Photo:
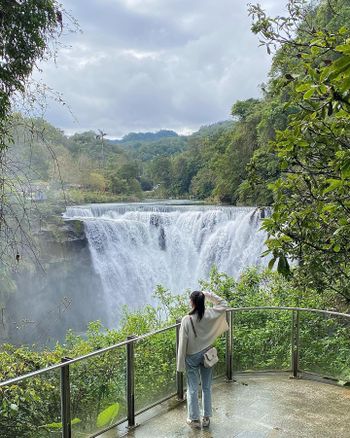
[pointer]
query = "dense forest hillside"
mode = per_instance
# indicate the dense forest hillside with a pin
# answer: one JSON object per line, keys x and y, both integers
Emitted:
{"x": 162, "y": 163}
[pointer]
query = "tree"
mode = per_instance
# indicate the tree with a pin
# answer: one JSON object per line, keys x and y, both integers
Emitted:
{"x": 26, "y": 32}
{"x": 97, "y": 181}
{"x": 241, "y": 142}
{"x": 310, "y": 219}
{"x": 29, "y": 31}
{"x": 242, "y": 108}
{"x": 161, "y": 172}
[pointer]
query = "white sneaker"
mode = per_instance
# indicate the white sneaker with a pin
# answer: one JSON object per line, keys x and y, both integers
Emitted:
{"x": 205, "y": 421}
{"x": 194, "y": 424}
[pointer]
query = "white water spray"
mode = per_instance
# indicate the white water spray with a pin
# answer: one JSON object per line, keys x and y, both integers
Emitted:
{"x": 134, "y": 247}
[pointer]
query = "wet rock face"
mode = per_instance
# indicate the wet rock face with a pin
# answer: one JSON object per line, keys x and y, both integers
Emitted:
{"x": 63, "y": 292}
{"x": 74, "y": 231}
{"x": 157, "y": 222}
{"x": 161, "y": 239}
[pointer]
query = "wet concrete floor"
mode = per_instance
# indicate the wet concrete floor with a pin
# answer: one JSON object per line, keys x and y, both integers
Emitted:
{"x": 258, "y": 405}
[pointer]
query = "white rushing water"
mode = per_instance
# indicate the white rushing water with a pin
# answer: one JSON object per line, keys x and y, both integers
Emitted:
{"x": 134, "y": 247}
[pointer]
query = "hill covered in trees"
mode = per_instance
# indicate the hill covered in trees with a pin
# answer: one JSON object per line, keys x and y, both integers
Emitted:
{"x": 89, "y": 163}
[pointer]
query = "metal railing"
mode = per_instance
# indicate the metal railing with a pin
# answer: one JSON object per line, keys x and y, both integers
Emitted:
{"x": 130, "y": 342}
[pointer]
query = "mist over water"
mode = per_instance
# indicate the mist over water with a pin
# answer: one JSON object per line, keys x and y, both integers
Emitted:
{"x": 134, "y": 247}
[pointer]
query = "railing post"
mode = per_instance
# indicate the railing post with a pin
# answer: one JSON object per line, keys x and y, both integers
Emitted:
{"x": 295, "y": 343}
{"x": 179, "y": 375}
{"x": 130, "y": 377}
{"x": 228, "y": 355}
{"x": 65, "y": 401}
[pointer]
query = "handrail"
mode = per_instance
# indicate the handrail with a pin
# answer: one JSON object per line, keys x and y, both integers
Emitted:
{"x": 65, "y": 386}
{"x": 85, "y": 356}
{"x": 146, "y": 335}
{"x": 305, "y": 309}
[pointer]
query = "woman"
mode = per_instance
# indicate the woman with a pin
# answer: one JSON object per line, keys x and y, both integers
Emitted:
{"x": 198, "y": 331}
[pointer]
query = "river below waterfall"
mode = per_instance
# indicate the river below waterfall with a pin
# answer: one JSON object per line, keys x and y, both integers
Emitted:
{"x": 135, "y": 247}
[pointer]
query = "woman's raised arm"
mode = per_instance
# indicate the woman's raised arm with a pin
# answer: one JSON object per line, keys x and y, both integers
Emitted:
{"x": 215, "y": 299}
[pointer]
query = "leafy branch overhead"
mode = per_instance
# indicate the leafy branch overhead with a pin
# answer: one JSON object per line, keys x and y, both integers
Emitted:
{"x": 310, "y": 221}
{"x": 28, "y": 31}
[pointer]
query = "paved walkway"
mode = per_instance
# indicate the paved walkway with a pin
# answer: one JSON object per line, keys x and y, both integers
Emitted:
{"x": 264, "y": 405}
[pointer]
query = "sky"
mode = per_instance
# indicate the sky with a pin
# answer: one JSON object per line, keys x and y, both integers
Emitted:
{"x": 146, "y": 65}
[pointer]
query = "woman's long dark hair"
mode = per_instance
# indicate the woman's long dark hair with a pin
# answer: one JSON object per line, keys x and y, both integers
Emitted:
{"x": 197, "y": 297}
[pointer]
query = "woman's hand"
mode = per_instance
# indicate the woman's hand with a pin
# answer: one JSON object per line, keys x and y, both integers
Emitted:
{"x": 208, "y": 295}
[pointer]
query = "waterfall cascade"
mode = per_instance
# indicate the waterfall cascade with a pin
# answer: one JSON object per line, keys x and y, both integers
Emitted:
{"x": 134, "y": 247}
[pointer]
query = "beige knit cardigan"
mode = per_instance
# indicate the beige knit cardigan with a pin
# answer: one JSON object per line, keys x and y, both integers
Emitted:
{"x": 212, "y": 325}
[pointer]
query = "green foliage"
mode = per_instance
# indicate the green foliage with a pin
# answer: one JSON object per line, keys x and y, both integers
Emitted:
{"x": 148, "y": 136}
{"x": 261, "y": 341}
{"x": 213, "y": 165}
{"x": 59, "y": 425}
{"x": 26, "y": 31}
{"x": 82, "y": 196}
{"x": 149, "y": 150}
{"x": 209, "y": 164}
{"x": 311, "y": 197}
{"x": 90, "y": 171}
{"x": 243, "y": 108}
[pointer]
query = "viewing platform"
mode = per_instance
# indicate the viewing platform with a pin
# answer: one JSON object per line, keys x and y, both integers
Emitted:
{"x": 283, "y": 372}
{"x": 257, "y": 405}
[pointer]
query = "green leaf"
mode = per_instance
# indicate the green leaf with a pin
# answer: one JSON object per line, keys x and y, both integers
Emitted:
{"x": 271, "y": 263}
{"x": 59, "y": 425}
{"x": 345, "y": 85}
{"x": 315, "y": 50}
{"x": 325, "y": 73}
{"x": 53, "y": 426}
{"x": 341, "y": 62}
{"x": 333, "y": 185}
{"x": 343, "y": 31}
{"x": 323, "y": 89}
{"x": 336, "y": 248}
{"x": 284, "y": 165}
{"x": 340, "y": 66}
{"x": 345, "y": 168}
{"x": 329, "y": 208}
{"x": 283, "y": 266}
{"x": 108, "y": 415}
{"x": 343, "y": 48}
{"x": 309, "y": 94}
{"x": 303, "y": 87}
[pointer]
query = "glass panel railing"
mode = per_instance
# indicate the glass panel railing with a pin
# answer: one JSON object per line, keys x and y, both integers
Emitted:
{"x": 155, "y": 368}
{"x": 220, "y": 367}
{"x": 262, "y": 340}
{"x": 324, "y": 346}
{"x": 31, "y": 408}
{"x": 98, "y": 392}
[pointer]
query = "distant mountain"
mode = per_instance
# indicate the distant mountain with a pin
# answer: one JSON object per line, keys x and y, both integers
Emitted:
{"x": 146, "y": 146}
{"x": 214, "y": 128}
{"x": 147, "y": 136}
{"x": 147, "y": 150}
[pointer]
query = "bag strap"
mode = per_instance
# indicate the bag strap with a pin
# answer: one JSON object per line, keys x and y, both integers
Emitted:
{"x": 194, "y": 330}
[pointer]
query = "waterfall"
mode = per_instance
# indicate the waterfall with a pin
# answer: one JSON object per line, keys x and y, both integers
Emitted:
{"x": 134, "y": 247}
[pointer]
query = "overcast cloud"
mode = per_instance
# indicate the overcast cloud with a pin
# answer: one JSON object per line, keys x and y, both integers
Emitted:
{"x": 144, "y": 65}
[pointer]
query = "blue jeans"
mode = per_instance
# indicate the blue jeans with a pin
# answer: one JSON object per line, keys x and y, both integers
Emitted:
{"x": 194, "y": 369}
